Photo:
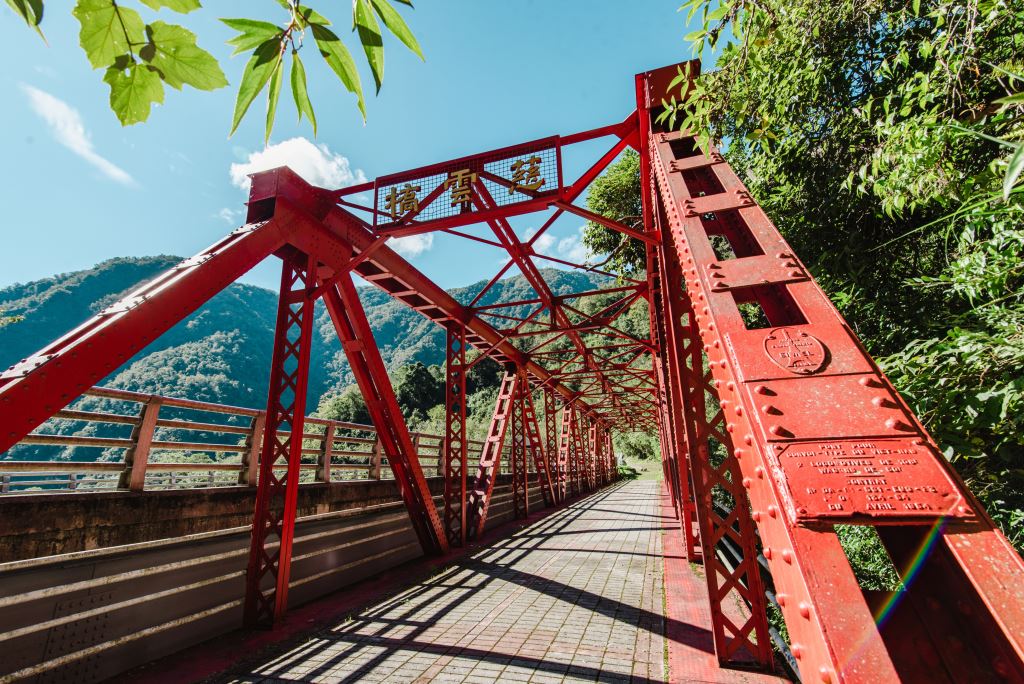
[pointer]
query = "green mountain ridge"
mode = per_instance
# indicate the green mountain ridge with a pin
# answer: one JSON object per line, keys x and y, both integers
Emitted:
{"x": 221, "y": 353}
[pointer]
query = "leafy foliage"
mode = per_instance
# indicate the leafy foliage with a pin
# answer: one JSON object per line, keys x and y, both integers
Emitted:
{"x": 140, "y": 58}
{"x": 885, "y": 140}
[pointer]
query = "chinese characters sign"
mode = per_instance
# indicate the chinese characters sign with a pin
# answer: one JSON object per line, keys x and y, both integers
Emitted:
{"x": 471, "y": 185}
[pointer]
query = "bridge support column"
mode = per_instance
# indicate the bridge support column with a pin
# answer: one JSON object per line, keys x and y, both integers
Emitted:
{"x": 517, "y": 454}
{"x": 266, "y": 589}
{"x": 535, "y": 446}
{"x": 455, "y": 446}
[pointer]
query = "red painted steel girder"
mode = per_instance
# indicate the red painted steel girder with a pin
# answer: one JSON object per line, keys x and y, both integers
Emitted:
{"x": 823, "y": 438}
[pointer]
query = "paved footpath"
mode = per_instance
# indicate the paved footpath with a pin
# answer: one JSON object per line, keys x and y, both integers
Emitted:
{"x": 577, "y": 596}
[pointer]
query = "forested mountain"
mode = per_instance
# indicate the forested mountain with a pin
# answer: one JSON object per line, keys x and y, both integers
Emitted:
{"x": 222, "y": 352}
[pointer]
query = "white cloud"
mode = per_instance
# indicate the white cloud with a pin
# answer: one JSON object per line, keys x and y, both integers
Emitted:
{"x": 230, "y": 215}
{"x": 412, "y": 245}
{"x": 315, "y": 163}
{"x": 67, "y": 128}
{"x": 569, "y": 248}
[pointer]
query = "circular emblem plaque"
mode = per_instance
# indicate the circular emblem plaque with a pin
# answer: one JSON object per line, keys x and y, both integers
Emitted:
{"x": 795, "y": 351}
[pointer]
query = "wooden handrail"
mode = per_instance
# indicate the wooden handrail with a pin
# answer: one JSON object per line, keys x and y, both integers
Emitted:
{"x": 152, "y": 433}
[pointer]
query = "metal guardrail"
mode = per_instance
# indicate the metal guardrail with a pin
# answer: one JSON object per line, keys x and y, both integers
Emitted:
{"x": 160, "y": 451}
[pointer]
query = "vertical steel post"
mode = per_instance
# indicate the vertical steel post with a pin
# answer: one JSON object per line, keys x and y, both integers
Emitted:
{"x": 551, "y": 444}
{"x": 517, "y": 453}
{"x": 455, "y": 446}
{"x": 266, "y": 594}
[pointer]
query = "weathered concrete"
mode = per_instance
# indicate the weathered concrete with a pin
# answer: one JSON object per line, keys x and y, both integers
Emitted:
{"x": 34, "y": 525}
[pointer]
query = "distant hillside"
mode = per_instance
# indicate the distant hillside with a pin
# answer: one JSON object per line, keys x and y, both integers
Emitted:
{"x": 222, "y": 352}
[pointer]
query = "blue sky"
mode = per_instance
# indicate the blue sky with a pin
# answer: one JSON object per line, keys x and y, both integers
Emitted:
{"x": 77, "y": 188}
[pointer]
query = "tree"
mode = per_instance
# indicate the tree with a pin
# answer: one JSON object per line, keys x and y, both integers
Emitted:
{"x": 347, "y": 407}
{"x": 139, "y": 57}
{"x": 885, "y": 141}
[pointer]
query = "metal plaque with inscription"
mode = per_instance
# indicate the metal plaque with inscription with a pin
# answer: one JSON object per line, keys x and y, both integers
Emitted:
{"x": 892, "y": 479}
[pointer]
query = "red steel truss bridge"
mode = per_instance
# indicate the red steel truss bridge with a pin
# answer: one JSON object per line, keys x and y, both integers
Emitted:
{"x": 774, "y": 429}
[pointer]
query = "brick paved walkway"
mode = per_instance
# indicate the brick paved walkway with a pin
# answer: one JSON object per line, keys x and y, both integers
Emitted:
{"x": 577, "y": 596}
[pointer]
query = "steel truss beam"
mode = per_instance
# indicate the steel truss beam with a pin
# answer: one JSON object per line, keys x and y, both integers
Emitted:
{"x": 490, "y": 456}
{"x": 371, "y": 376}
{"x": 266, "y": 582}
{"x": 823, "y": 438}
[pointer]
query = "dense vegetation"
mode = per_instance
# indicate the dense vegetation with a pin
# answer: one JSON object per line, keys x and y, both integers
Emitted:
{"x": 221, "y": 353}
{"x": 885, "y": 141}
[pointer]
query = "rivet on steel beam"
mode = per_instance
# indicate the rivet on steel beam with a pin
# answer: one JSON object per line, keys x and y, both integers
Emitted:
{"x": 773, "y": 510}
{"x": 869, "y": 381}
{"x": 795, "y": 274}
{"x": 730, "y": 427}
{"x": 749, "y": 439}
{"x": 894, "y": 424}
{"x": 747, "y": 482}
{"x": 787, "y": 556}
{"x": 731, "y": 386}
{"x": 884, "y": 402}
{"x": 738, "y": 410}
{"x": 797, "y": 650}
{"x": 767, "y": 552}
{"x": 826, "y": 675}
{"x": 770, "y": 410}
{"x": 756, "y": 515}
{"x": 780, "y": 431}
{"x": 759, "y": 471}
{"x": 738, "y": 453}
{"x": 725, "y": 402}
{"x": 783, "y": 255}
{"x": 964, "y": 510}
{"x": 782, "y": 598}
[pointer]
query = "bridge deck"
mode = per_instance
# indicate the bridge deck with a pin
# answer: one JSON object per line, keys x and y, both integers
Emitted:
{"x": 576, "y": 596}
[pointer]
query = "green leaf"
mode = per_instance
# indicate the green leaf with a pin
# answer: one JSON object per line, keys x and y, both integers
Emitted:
{"x": 369, "y": 36}
{"x": 393, "y": 20}
{"x": 134, "y": 88}
{"x": 183, "y": 6}
{"x": 180, "y": 60}
{"x": 31, "y": 11}
{"x": 312, "y": 16}
{"x": 273, "y": 95}
{"x": 340, "y": 60}
{"x": 1016, "y": 98}
{"x": 694, "y": 36}
{"x": 1013, "y": 171}
{"x": 252, "y": 33}
{"x": 108, "y": 31}
{"x": 302, "y": 103}
{"x": 257, "y": 72}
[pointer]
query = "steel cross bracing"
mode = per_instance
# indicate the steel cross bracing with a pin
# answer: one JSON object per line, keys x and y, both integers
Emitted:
{"x": 792, "y": 424}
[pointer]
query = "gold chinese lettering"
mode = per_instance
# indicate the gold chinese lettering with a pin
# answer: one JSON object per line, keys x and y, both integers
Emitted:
{"x": 461, "y": 184}
{"x": 401, "y": 202}
{"x": 526, "y": 175}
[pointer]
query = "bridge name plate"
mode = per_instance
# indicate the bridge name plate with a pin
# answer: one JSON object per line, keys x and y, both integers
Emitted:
{"x": 843, "y": 480}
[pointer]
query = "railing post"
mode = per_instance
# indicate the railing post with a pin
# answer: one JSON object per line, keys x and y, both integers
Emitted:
{"x": 133, "y": 476}
{"x": 323, "y": 469}
{"x": 72, "y": 483}
{"x": 378, "y": 452}
{"x": 251, "y": 458}
{"x": 5, "y": 484}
